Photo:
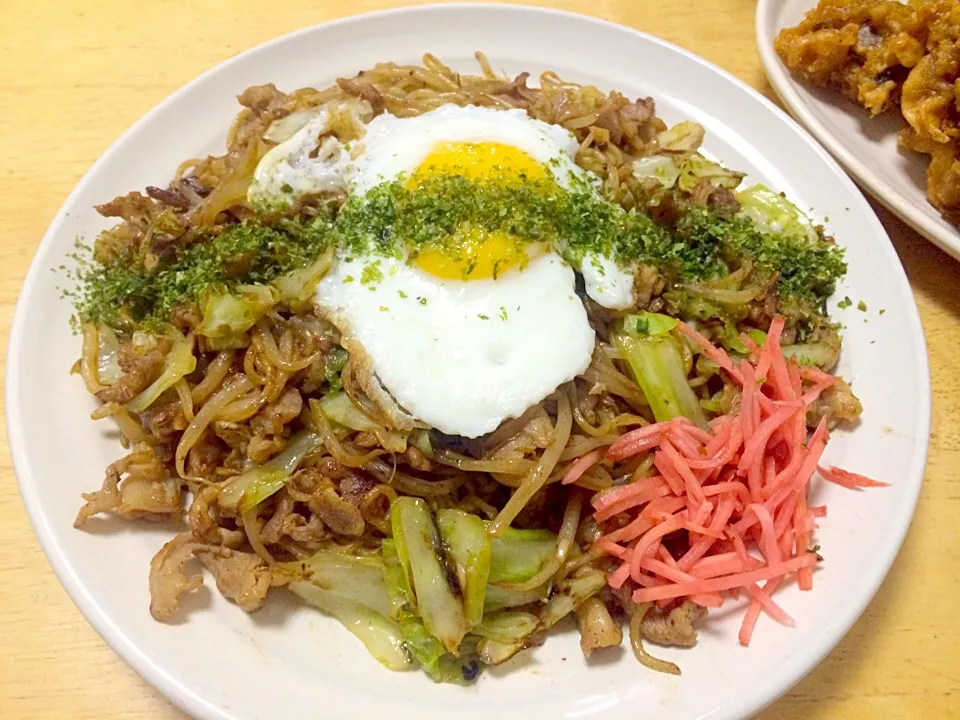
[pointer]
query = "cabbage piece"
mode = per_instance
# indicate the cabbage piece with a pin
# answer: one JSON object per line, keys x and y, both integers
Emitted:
{"x": 252, "y": 487}
{"x": 333, "y": 365}
{"x": 425, "y": 648}
{"x": 656, "y": 362}
{"x": 648, "y": 323}
{"x": 570, "y": 593}
{"x": 469, "y": 547}
{"x": 352, "y": 589}
{"x": 731, "y": 340}
{"x": 500, "y": 598}
{"x": 227, "y": 315}
{"x": 296, "y": 288}
{"x": 382, "y": 636}
{"x": 713, "y": 404}
{"x": 430, "y": 653}
{"x": 494, "y": 652}
{"x": 774, "y": 214}
{"x": 518, "y": 555}
{"x": 179, "y": 362}
{"x": 695, "y": 306}
{"x": 421, "y": 554}
{"x": 662, "y": 168}
{"x": 357, "y": 578}
{"x": 507, "y": 627}
{"x": 697, "y": 167}
{"x": 400, "y": 598}
{"x": 233, "y": 341}
{"x": 758, "y": 336}
{"x": 340, "y": 409}
{"x": 109, "y": 371}
{"x": 684, "y": 172}
{"x": 706, "y": 367}
{"x": 684, "y": 137}
{"x": 823, "y": 355}
{"x": 420, "y": 439}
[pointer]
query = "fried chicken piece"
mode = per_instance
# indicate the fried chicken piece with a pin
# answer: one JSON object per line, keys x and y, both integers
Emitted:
{"x": 931, "y": 94}
{"x": 863, "y": 47}
{"x": 881, "y": 53}
{"x": 942, "y": 18}
{"x": 943, "y": 174}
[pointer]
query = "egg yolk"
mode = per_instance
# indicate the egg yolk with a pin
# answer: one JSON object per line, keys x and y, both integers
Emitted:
{"x": 473, "y": 253}
{"x": 478, "y": 161}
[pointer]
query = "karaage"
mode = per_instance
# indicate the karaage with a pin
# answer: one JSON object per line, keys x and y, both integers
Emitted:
{"x": 884, "y": 54}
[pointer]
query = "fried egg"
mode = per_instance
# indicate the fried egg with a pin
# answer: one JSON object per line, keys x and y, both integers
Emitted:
{"x": 481, "y": 142}
{"x": 461, "y": 339}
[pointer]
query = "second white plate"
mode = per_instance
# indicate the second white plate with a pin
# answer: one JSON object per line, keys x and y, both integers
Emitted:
{"x": 865, "y": 146}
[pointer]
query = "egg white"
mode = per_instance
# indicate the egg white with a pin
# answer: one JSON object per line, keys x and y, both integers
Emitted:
{"x": 301, "y": 165}
{"x": 463, "y": 356}
{"x": 393, "y": 146}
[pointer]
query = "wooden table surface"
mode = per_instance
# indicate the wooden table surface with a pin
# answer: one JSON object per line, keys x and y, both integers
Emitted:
{"x": 74, "y": 74}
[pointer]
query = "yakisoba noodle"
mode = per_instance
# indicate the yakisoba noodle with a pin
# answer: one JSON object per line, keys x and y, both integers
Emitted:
{"x": 291, "y": 457}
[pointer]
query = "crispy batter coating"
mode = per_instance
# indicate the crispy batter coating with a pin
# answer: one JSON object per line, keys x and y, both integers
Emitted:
{"x": 943, "y": 19}
{"x": 930, "y": 94}
{"x": 884, "y": 53}
{"x": 943, "y": 173}
{"x": 863, "y": 47}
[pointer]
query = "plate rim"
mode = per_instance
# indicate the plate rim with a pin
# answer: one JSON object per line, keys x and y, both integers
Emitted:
{"x": 779, "y": 682}
{"x": 885, "y": 193}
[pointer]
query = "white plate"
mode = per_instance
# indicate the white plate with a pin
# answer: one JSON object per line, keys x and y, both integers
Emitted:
{"x": 866, "y": 147}
{"x": 287, "y": 661}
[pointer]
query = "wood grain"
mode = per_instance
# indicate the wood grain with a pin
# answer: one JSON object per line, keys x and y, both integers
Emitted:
{"x": 75, "y": 73}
